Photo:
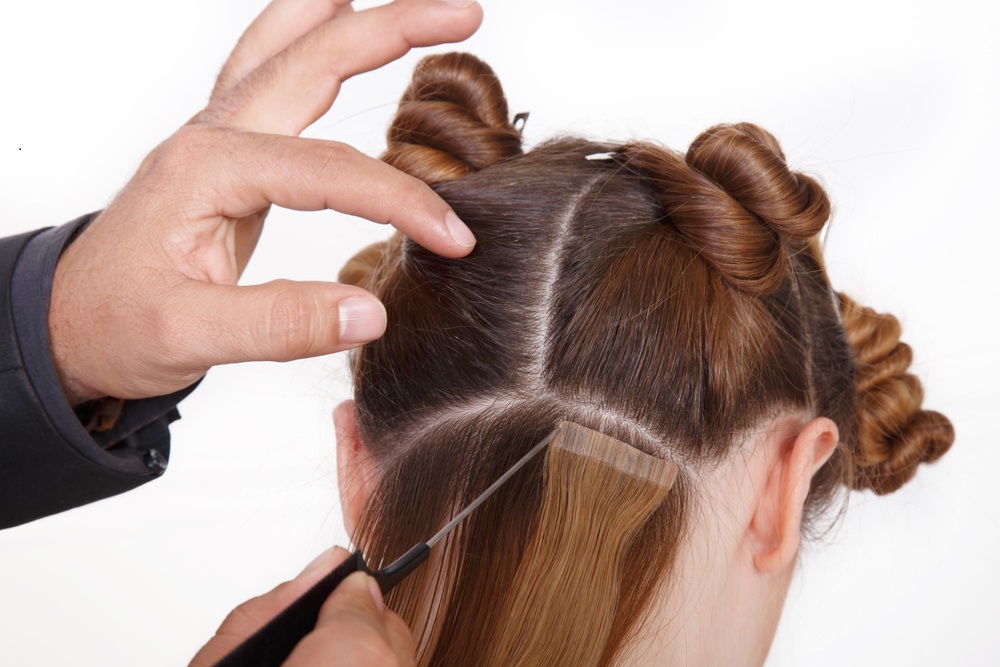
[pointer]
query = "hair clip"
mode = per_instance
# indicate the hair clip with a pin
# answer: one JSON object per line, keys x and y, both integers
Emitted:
{"x": 521, "y": 118}
{"x": 602, "y": 156}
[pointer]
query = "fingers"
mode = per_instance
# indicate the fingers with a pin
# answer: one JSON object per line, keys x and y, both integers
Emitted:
{"x": 250, "y": 171}
{"x": 291, "y": 90}
{"x": 253, "y": 614}
{"x": 400, "y": 636}
{"x": 355, "y": 629}
{"x": 277, "y": 321}
{"x": 280, "y": 24}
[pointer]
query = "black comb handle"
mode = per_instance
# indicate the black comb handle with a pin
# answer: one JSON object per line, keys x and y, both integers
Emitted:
{"x": 273, "y": 643}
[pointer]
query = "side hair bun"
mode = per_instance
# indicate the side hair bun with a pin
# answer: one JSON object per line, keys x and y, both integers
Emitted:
{"x": 452, "y": 120}
{"x": 358, "y": 270}
{"x": 370, "y": 264}
{"x": 895, "y": 435}
{"x": 736, "y": 202}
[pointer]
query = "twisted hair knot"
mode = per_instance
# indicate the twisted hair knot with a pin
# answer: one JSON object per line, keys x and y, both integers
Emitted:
{"x": 734, "y": 199}
{"x": 452, "y": 120}
{"x": 895, "y": 435}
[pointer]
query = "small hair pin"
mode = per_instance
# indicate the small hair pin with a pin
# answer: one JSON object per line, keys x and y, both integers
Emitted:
{"x": 520, "y": 120}
{"x": 602, "y": 156}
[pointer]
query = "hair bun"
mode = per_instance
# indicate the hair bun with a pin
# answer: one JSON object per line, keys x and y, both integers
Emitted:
{"x": 733, "y": 198}
{"x": 452, "y": 120}
{"x": 366, "y": 268}
{"x": 895, "y": 435}
{"x": 748, "y": 163}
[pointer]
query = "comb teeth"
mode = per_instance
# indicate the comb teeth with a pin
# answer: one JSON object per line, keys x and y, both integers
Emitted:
{"x": 615, "y": 453}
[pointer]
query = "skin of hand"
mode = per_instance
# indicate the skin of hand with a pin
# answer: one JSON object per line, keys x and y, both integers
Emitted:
{"x": 145, "y": 300}
{"x": 354, "y": 629}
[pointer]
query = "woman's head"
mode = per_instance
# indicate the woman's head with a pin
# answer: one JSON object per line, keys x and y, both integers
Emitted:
{"x": 675, "y": 302}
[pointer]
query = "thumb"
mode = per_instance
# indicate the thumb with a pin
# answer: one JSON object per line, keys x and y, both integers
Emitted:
{"x": 355, "y": 629}
{"x": 277, "y": 321}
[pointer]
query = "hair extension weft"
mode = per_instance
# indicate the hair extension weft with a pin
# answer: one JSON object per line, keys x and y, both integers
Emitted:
{"x": 598, "y": 493}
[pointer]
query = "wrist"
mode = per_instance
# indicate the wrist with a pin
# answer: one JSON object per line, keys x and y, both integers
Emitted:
{"x": 77, "y": 393}
{"x": 65, "y": 342}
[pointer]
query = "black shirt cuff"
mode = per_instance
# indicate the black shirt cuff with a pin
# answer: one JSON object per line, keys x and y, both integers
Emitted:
{"x": 61, "y": 464}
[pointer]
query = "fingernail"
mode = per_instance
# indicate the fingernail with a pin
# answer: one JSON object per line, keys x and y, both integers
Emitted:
{"x": 459, "y": 3}
{"x": 362, "y": 319}
{"x": 376, "y": 592}
{"x": 458, "y": 230}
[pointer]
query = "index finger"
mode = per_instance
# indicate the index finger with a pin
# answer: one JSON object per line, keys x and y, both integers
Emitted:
{"x": 280, "y": 24}
{"x": 312, "y": 175}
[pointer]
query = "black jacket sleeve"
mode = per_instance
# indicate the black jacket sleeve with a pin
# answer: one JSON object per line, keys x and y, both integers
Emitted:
{"x": 49, "y": 462}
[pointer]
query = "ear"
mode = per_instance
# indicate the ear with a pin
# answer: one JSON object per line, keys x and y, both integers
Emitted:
{"x": 775, "y": 528}
{"x": 356, "y": 473}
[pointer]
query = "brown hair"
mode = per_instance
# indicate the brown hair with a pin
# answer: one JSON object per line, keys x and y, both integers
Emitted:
{"x": 672, "y": 301}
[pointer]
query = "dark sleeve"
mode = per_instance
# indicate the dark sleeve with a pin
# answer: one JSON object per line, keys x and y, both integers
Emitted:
{"x": 49, "y": 462}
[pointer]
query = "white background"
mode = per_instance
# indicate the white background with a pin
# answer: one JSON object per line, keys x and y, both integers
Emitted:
{"x": 894, "y": 105}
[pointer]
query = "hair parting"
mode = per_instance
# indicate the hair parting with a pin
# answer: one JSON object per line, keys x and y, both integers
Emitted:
{"x": 672, "y": 301}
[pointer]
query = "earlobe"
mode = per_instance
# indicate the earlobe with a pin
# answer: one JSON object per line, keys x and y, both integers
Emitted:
{"x": 355, "y": 471}
{"x": 778, "y": 521}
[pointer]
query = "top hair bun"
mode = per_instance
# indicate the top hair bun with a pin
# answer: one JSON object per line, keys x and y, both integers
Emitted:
{"x": 735, "y": 201}
{"x": 747, "y": 162}
{"x": 452, "y": 120}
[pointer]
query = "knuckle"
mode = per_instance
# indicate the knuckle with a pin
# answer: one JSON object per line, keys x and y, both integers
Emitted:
{"x": 163, "y": 327}
{"x": 405, "y": 200}
{"x": 326, "y": 160}
{"x": 174, "y": 336}
{"x": 414, "y": 188}
{"x": 289, "y": 323}
{"x": 412, "y": 193}
{"x": 239, "y": 619}
{"x": 182, "y": 142}
{"x": 188, "y": 145}
{"x": 336, "y": 153}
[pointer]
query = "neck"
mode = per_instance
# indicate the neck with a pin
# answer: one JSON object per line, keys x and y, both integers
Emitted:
{"x": 716, "y": 610}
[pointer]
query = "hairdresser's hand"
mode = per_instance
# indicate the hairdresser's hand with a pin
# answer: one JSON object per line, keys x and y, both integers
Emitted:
{"x": 145, "y": 300}
{"x": 354, "y": 628}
